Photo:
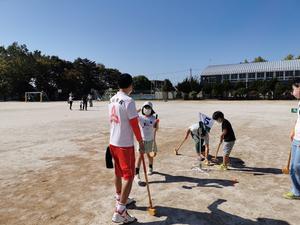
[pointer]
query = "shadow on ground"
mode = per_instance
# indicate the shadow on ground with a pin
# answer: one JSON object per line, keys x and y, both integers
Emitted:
{"x": 199, "y": 182}
{"x": 239, "y": 165}
{"x": 216, "y": 216}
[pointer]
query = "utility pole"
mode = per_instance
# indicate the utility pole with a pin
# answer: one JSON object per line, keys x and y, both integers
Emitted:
{"x": 191, "y": 74}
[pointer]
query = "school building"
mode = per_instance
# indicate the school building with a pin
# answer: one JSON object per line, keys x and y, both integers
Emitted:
{"x": 246, "y": 72}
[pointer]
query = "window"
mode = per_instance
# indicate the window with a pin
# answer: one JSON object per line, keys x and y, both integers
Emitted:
{"x": 226, "y": 77}
{"x": 219, "y": 78}
{"x": 289, "y": 74}
{"x": 297, "y": 73}
{"x": 234, "y": 76}
{"x": 260, "y": 76}
{"x": 242, "y": 76}
{"x": 279, "y": 75}
{"x": 205, "y": 78}
{"x": 212, "y": 79}
{"x": 269, "y": 75}
{"x": 251, "y": 76}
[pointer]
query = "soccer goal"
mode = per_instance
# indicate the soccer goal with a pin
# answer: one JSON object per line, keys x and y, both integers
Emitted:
{"x": 34, "y": 96}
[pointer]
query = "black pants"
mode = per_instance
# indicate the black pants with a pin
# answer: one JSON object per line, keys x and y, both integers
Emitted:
{"x": 84, "y": 105}
{"x": 71, "y": 103}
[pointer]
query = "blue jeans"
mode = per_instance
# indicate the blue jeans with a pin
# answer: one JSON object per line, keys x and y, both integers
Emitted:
{"x": 295, "y": 168}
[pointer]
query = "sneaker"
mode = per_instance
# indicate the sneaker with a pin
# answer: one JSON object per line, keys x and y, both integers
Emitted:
{"x": 150, "y": 172}
{"x": 291, "y": 196}
{"x": 223, "y": 167}
{"x": 123, "y": 217}
{"x": 207, "y": 163}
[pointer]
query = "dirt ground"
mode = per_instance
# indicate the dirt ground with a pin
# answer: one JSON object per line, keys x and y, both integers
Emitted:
{"x": 52, "y": 168}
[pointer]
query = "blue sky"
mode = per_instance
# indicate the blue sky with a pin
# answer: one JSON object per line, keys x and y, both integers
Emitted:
{"x": 159, "y": 38}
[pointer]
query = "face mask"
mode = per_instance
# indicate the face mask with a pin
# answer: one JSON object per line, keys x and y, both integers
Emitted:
{"x": 147, "y": 112}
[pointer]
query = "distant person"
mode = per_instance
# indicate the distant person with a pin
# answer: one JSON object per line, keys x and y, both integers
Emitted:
{"x": 81, "y": 104}
{"x": 227, "y": 136}
{"x": 294, "y": 193}
{"x": 90, "y": 99}
{"x": 85, "y": 102}
{"x": 70, "y": 100}
{"x": 124, "y": 123}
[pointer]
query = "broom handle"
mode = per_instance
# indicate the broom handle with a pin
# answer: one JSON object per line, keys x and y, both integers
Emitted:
{"x": 289, "y": 161}
{"x": 180, "y": 145}
{"x": 146, "y": 178}
{"x": 218, "y": 149}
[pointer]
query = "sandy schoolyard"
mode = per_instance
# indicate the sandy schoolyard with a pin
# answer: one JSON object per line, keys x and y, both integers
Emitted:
{"x": 52, "y": 168}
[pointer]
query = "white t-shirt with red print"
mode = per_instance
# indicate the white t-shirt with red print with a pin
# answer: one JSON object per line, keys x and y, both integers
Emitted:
{"x": 147, "y": 125}
{"x": 121, "y": 109}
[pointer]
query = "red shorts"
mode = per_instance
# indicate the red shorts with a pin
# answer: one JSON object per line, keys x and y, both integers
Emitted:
{"x": 124, "y": 158}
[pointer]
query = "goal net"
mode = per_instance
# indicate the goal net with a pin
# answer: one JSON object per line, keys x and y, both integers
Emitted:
{"x": 34, "y": 96}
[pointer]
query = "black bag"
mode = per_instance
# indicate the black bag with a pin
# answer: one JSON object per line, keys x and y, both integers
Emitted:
{"x": 108, "y": 159}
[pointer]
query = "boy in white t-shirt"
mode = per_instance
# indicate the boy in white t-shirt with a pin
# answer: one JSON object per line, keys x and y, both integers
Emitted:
{"x": 124, "y": 125}
{"x": 295, "y": 152}
{"x": 149, "y": 126}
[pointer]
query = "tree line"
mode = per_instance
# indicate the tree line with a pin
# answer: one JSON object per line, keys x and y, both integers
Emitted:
{"x": 23, "y": 71}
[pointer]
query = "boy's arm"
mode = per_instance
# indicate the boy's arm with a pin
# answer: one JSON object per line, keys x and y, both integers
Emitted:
{"x": 188, "y": 132}
{"x": 186, "y": 136}
{"x": 292, "y": 134}
{"x": 134, "y": 123}
{"x": 156, "y": 127}
{"x": 223, "y": 135}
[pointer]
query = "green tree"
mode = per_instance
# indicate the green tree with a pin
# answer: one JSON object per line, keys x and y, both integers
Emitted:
{"x": 218, "y": 90}
{"x": 208, "y": 89}
{"x": 289, "y": 57}
{"x": 19, "y": 70}
{"x": 263, "y": 88}
{"x": 141, "y": 83}
{"x": 259, "y": 59}
{"x": 110, "y": 77}
{"x": 188, "y": 85}
{"x": 168, "y": 86}
{"x": 227, "y": 88}
{"x": 184, "y": 86}
{"x": 241, "y": 92}
{"x": 280, "y": 88}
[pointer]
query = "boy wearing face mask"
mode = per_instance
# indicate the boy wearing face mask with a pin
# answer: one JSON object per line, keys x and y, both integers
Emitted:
{"x": 149, "y": 126}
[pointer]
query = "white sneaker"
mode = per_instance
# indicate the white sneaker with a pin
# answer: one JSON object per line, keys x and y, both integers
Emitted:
{"x": 150, "y": 172}
{"x": 123, "y": 217}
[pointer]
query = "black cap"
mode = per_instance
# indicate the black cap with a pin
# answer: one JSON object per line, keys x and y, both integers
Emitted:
{"x": 125, "y": 80}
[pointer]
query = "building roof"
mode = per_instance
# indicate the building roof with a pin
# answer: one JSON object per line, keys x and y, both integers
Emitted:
{"x": 283, "y": 65}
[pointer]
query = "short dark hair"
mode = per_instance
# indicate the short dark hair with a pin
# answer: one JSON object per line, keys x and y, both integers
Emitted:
{"x": 125, "y": 80}
{"x": 296, "y": 82}
{"x": 218, "y": 115}
{"x": 146, "y": 106}
{"x": 296, "y": 85}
